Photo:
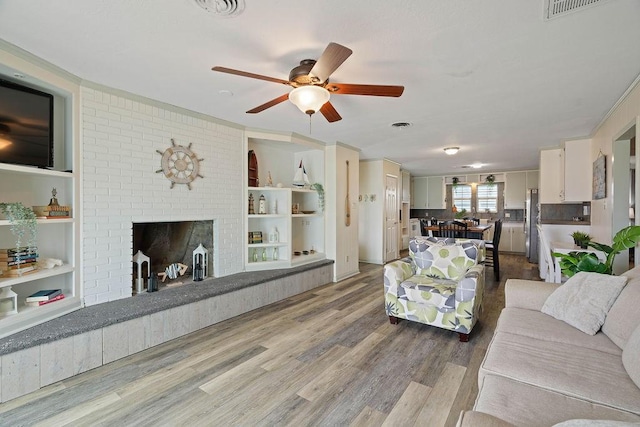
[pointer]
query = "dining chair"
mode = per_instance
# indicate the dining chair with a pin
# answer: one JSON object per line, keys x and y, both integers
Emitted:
{"x": 549, "y": 273}
{"x": 424, "y": 223}
{"x": 492, "y": 257}
{"x": 455, "y": 229}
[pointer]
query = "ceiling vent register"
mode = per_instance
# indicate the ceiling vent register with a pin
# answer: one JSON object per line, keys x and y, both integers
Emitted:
{"x": 222, "y": 8}
{"x": 557, "y": 8}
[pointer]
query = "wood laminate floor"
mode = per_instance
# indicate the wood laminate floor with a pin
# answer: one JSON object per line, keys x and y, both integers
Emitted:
{"x": 326, "y": 357}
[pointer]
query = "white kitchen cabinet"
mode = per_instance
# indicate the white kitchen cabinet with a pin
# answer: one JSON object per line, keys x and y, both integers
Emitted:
{"x": 565, "y": 173}
{"x": 435, "y": 193}
{"x": 420, "y": 189}
{"x": 578, "y": 170}
{"x": 406, "y": 187}
{"x": 551, "y": 176}
{"x": 512, "y": 238}
{"x": 515, "y": 190}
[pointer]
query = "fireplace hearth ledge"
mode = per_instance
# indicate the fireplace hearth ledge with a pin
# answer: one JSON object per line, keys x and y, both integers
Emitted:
{"x": 106, "y": 314}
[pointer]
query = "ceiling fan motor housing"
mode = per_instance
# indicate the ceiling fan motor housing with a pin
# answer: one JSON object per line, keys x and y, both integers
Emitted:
{"x": 299, "y": 75}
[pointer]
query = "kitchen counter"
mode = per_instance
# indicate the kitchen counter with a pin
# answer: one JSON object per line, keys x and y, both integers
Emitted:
{"x": 564, "y": 222}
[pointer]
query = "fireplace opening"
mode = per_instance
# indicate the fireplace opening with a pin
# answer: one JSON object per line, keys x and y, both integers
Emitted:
{"x": 171, "y": 243}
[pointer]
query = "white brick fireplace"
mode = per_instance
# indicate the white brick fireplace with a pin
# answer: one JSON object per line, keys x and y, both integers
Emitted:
{"x": 120, "y": 134}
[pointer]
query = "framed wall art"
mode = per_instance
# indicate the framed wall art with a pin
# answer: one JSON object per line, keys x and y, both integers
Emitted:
{"x": 600, "y": 177}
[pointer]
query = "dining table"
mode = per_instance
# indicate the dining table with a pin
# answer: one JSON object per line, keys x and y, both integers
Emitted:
{"x": 474, "y": 231}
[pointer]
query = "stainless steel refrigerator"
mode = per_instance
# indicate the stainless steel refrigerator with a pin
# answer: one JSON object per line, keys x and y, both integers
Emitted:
{"x": 531, "y": 218}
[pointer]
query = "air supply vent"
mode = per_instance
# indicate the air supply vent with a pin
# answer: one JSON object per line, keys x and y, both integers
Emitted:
{"x": 557, "y": 8}
{"x": 222, "y": 8}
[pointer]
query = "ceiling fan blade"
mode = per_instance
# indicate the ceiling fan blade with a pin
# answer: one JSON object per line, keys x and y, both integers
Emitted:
{"x": 330, "y": 113}
{"x": 332, "y": 57}
{"x": 372, "y": 90}
{"x": 269, "y": 104}
{"x": 251, "y": 75}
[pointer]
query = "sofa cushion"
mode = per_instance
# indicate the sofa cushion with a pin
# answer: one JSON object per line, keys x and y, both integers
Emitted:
{"x": 429, "y": 290}
{"x": 631, "y": 356}
{"x": 445, "y": 261}
{"x": 595, "y": 423}
{"x": 584, "y": 300}
{"x": 526, "y": 405}
{"x": 535, "y": 324}
{"x": 572, "y": 370}
{"x": 624, "y": 316}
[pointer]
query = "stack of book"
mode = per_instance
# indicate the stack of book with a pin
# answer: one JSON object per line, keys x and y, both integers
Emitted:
{"x": 59, "y": 211}
{"x": 17, "y": 261}
{"x": 43, "y": 297}
{"x": 255, "y": 237}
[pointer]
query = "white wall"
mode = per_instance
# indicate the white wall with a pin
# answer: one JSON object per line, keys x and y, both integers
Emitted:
{"x": 625, "y": 115}
{"x": 342, "y": 241}
{"x": 120, "y": 135}
{"x": 371, "y": 233}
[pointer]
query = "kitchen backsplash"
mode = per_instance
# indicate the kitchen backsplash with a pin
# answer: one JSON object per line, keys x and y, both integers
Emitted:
{"x": 566, "y": 212}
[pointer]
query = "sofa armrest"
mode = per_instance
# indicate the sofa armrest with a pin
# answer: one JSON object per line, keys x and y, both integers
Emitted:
{"x": 398, "y": 271}
{"x": 529, "y": 294}
{"x": 480, "y": 419}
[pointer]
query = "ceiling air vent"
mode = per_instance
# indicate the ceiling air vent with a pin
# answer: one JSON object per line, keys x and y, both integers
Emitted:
{"x": 556, "y": 8}
{"x": 223, "y": 8}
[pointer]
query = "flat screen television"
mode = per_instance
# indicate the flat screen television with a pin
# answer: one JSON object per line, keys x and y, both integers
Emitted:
{"x": 26, "y": 125}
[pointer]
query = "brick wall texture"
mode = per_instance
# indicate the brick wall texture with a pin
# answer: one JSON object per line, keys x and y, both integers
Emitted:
{"x": 120, "y": 185}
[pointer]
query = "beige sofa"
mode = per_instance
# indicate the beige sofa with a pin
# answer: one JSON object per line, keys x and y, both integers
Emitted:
{"x": 539, "y": 371}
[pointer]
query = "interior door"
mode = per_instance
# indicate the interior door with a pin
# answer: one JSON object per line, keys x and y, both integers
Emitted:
{"x": 391, "y": 218}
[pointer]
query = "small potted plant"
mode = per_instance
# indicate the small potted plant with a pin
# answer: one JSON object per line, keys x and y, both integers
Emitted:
{"x": 581, "y": 239}
{"x": 455, "y": 180}
{"x": 576, "y": 261}
{"x": 490, "y": 179}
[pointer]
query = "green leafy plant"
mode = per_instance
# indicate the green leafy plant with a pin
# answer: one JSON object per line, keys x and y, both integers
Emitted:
{"x": 461, "y": 214}
{"x": 320, "y": 190}
{"x": 23, "y": 223}
{"x": 581, "y": 239}
{"x": 455, "y": 180}
{"x": 490, "y": 179}
{"x": 576, "y": 261}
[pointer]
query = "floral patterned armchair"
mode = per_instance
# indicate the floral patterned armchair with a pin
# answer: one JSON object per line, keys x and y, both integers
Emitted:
{"x": 441, "y": 284}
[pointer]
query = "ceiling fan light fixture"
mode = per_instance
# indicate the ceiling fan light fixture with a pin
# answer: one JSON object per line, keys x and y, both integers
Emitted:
{"x": 451, "y": 150}
{"x": 309, "y": 99}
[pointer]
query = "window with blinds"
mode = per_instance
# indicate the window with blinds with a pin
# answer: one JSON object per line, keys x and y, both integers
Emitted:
{"x": 461, "y": 196}
{"x": 487, "y": 198}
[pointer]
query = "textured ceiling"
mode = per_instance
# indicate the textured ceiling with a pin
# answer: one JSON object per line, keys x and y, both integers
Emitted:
{"x": 489, "y": 76}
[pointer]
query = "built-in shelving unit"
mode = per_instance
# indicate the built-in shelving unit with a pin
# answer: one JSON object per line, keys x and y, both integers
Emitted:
{"x": 300, "y": 229}
{"x": 57, "y": 238}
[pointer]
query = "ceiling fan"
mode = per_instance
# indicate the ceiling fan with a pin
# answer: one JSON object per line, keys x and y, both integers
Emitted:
{"x": 312, "y": 88}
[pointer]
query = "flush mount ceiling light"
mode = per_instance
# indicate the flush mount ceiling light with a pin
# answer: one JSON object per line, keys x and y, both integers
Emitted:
{"x": 476, "y": 165}
{"x": 309, "y": 99}
{"x": 400, "y": 125}
{"x": 451, "y": 150}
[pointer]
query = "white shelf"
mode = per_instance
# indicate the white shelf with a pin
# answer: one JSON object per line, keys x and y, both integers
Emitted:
{"x": 34, "y": 170}
{"x": 4, "y": 222}
{"x": 29, "y": 316}
{"x": 280, "y": 157}
{"x": 268, "y": 245}
{"x": 35, "y": 275}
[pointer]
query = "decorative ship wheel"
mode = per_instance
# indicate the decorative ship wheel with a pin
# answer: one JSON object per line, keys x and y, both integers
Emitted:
{"x": 179, "y": 164}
